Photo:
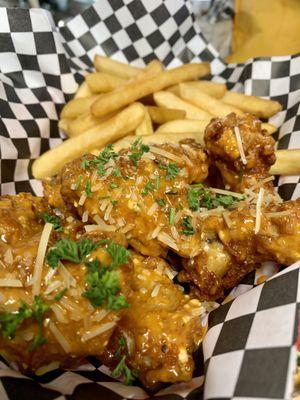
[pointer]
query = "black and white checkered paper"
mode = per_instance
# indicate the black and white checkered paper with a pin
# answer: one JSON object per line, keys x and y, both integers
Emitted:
{"x": 249, "y": 351}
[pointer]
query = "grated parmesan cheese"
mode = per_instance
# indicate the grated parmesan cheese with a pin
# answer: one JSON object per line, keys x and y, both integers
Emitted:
{"x": 167, "y": 240}
{"x": 9, "y": 282}
{"x": 97, "y": 331}
{"x": 85, "y": 216}
{"x": 278, "y": 214}
{"x": 127, "y": 228}
{"x": 99, "y": 315}
{"x": 104, "y": 204}
{"x": 65, "y": 344}
{"x": 8, "y": 257}
{"x": 152, "y": 209}
{"x": 155, "y": 290}
{"x": 39, "y": 261}
{"x": 262, "y": 182}
{"x": 107, "y": 212}
{"x": 155, "y": 232}
{"x": 258, "y": 210}
{"x": 227, "y": 192}
{"x": 59, "y": 313}
{"x": 82, "y": 199}
{"x": 165, "y": 154}
{"x": 240, "y": 144}
{"x": 53, "y": 285}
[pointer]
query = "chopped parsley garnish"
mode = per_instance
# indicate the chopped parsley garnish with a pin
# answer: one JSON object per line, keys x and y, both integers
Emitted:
{"x": 113, "y": 185}
{"x": 114, "y": 202}
{"x": 172, "y": 215}
{"x": 69, "y": 250}
{"x": 187, "y": 226}
{"x": 88, "y": 188}
{"x": 157, "y": 182}
{"x": 60, "y": 294}
{"x": 122, "y": 347}
{"x": 149, "y": 187}
{"x": 241, "y": 175}
{"x": 123, "y": 370}
{"x": 116, "y": 172}
{"x": 10, "y": 322}
{"x": 137, "y": 150}
{"x": 78, "y": 182}
{"x": 161, "y": 202}
{"x": 201, "y": 197}
{"x": 55, "y": 221}
{"x": 99, "y": 161}
{"x": 119, "y": 254}
{"x": 172, "y": 170}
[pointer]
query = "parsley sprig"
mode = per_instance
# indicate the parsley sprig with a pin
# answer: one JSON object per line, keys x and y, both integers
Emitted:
{"x": 10, "y": 322}
{"x": 99, "y": 161}
{"x": 55, "y": 221}
{"x": 103, "y": 281}
{"x": 69, "y": 250}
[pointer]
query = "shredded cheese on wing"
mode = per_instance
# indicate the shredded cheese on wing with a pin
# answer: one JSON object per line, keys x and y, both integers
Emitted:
{"x": 65, "y": 344}
{"x": 165, "y": 154}
{"x": 240, "y": 144}
{"x": 258, "y": 210}
{"x": 97, "y": 331}
{"x": 9, "y": 282}
{"x": 39, "y": 261}
{"x": 226, "y": 192}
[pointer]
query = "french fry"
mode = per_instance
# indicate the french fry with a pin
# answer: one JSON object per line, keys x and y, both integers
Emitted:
{"x": 214, "y": 89}
{"x": 154, "y": 66}
{"x": 114, "y": 100}
{"x": 215, "y": 107}
{"x": 170, "y": 100}
{"x": 183, "y": 126}
{"x": 269, "y": 128}
{"x": 287, "y": 162}
{"x": 76, "y": 107}
{"x": 110, "y": 66}
{"x": 157, "y": 138}
{"x": 85, "y": 122}
{"x": 160, "y": 115}
{"x": 50, "y": 163}
{"x": 83, "y": 90}
{"x": 261, "y": 108}
{"x": 63, "y": 125}
{"x": 145, "y": 127}
{"x": 103, "y": 82}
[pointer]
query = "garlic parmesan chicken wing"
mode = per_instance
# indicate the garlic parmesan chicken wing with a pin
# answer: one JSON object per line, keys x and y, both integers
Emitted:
{"x": 65, "y": 296}
{"x": 141, "y": 191}
{"x": 161, "y": 329}
{"x": 241, "y": 150}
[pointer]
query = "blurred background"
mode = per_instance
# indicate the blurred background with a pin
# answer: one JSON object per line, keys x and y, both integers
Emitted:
{"x": 238, "y": 29}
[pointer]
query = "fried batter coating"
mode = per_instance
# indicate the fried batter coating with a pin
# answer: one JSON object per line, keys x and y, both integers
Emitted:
{"x": 233, "y": 251}
{"x": 67, "y": 321}
{"x": 161, "y": 327}
{"x": 222, "y": 146}
{"x": 137, "y": 192}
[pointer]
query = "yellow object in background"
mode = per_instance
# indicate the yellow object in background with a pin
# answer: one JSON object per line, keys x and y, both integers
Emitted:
{"x": 265, "y": 28}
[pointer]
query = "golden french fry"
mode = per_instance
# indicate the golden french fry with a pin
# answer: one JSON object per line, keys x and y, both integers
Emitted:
{"x": 287, "y": 162}
{"x": 83, "y": 90}
{"x": 257, "y": 106}
{"x": 183, "y": 126}
{"x": 86, "y": 121}
{"x": 214, "y": 89}
{"x": 122, "y": 70}
{"x": 170, "y": 100}
{"x": 116, "y": 99}
{"x": 76, "y": 107}
{"x": 145, "y": 127}
{"x": 206, "y": 102}
{"x": 103, "y": 82}
{"x": 160, "y": 115}
{"x": 269, "y": 128}
{"x": 50, "y": 163}
{"x": 154, "y": 66}
{"x": 157, "y": 138}
{"x": 63, "y": 125}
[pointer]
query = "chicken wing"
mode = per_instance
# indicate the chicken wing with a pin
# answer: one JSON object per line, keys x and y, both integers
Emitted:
{"x": 141, "y": 192}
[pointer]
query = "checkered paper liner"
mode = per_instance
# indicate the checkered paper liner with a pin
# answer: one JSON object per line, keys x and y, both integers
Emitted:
{"x": 249, "y": 350}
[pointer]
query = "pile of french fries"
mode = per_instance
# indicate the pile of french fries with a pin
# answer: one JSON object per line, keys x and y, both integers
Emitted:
{"x": 118, "y": 102}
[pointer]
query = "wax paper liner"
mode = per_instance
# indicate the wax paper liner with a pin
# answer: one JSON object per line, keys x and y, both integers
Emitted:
{"x": 249, "y": 351}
